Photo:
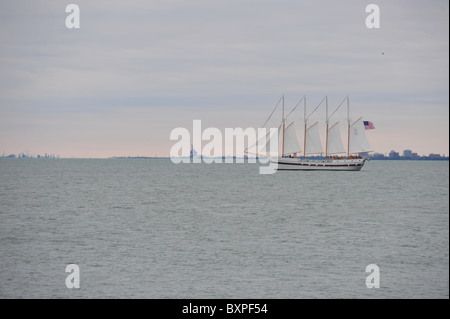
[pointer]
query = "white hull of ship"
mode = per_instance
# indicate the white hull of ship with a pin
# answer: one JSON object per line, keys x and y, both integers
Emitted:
{"x": 302, "y": 164}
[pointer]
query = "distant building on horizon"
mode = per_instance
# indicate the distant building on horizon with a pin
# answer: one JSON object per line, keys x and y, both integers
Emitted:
{"x": 394, "y": 155}
{"x": 434, "y": 156}
{"x": 377, "y": 156}
{"x": 407, "y": 154}
{"x": 193, "y": 152}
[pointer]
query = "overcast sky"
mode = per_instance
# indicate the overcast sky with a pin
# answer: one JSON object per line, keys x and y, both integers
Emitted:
{"x": 137, "y": 69}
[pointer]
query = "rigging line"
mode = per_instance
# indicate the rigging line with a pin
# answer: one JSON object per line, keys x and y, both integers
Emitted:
{"x": 316, "y": 108}
{"x": 295, "y": 107}
{"x": 267, "y": 135}
{"x": 270, "y": 115}
{"x": 272, "y": 112}
{"x": 333, "y": 125}
{"x": 337, "y": 108}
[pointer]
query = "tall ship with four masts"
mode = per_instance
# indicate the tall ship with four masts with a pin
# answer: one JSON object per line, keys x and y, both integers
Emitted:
{"x": 312, "y": 156}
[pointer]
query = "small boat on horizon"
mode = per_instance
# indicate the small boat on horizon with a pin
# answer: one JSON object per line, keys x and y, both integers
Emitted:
{"x": 335, "y": 157}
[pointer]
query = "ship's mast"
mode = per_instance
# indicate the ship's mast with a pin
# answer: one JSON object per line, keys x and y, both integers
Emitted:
{"x": 304, "y": 135}
{"x": 284, "y": 127}
{"x": 326, "y": 138}
{"x": 348, "y": 133}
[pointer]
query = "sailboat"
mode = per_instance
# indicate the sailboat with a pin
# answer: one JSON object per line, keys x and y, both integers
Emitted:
{"x": 335, "y": 157}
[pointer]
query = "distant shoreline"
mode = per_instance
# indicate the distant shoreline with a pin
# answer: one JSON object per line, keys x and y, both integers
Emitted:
{"x": 443, "y": 159}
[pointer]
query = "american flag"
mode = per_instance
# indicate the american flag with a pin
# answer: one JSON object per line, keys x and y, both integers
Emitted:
{"x": 368, "y": 125}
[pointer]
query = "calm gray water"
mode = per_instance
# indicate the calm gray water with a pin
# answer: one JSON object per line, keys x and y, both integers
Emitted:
{"x": 153, "y": 229}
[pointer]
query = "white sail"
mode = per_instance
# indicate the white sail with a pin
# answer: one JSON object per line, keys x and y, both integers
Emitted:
{"x": 313, "y": 144}
{"x": 291, "y": 144}
{"x": 358, "y": 139}
{"x": 335, "y": 145}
